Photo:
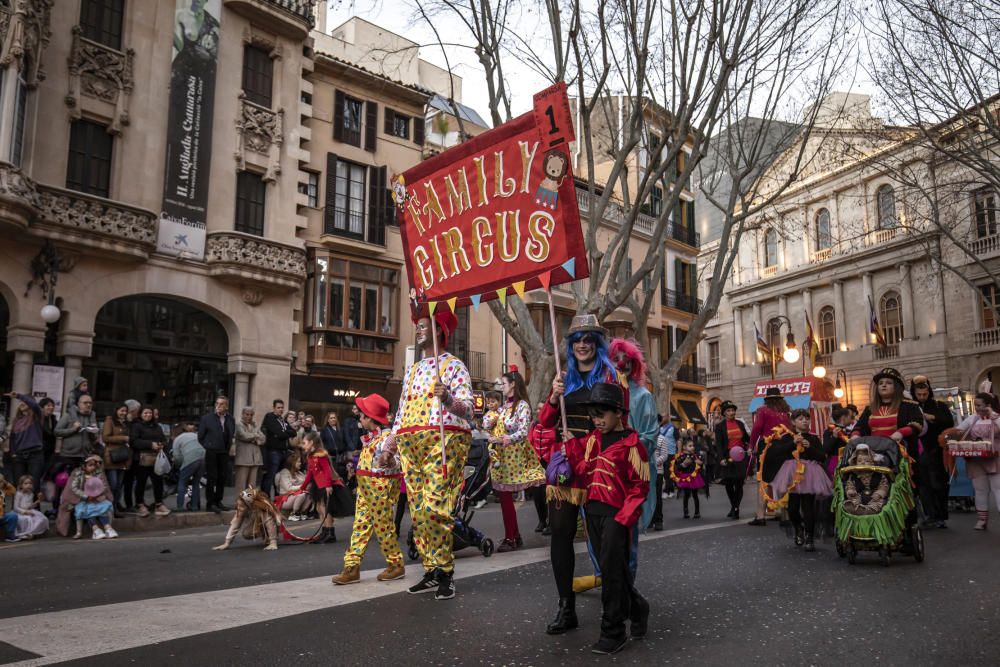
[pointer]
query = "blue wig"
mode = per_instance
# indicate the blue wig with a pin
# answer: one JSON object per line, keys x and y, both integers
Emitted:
{"x": 603, "y": 370}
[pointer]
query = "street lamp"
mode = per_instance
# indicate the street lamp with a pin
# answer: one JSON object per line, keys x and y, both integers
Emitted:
{"x": 791, "y": 352}
{"x": 819, "y": 372}
{"x": 838, "y": 390}
{"x": 45, "y": 273}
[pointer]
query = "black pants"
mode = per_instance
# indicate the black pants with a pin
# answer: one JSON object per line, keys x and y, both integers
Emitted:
{"x": 216, "y": 469}
{"x": 33, "y": 464}
{"x": 400, "y": 511}
{"x": 541, "y": 506}
{"x": 611, "y": 542}
{"x": 562, "y": 521}
{"x": 658, "y": 511}
{"x": 128, "y": 485}
{"x": 273, "y": 460}
{"x": 143, "y": 473}
{"x": 668, "y": 483}
{"x": 734, "y": 490}
{"x": 934, "y": 487}
{"x": 802, "y": 511}
{"x": 688, "y": 494}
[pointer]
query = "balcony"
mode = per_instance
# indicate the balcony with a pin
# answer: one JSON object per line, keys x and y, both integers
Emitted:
{"x": 768, "y": 272}
{"x": 293, "y": 18}
{"x": 685, "y": 235}
{"x": 331, "y": 348}
{"x": 986, "y": 247}
{"x": 243, "y": 258}
{"x": 883, "y": 353}
{"x": 880, "y": 236}
{"x": 986, "y": 337}
{"x": 691, "y": 375}
{"x": 18, "y": 198}
{"x": 477, "y": 365}
{"x": 685, "y": 302}
{"x": 351, "y": 228}
{"x": 644, "y": 223}
{"x": 825, "y": 360}
{"x": 713, "y": 378}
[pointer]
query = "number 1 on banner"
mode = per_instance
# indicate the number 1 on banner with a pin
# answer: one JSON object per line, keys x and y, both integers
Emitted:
{"x": 552, "y": 116}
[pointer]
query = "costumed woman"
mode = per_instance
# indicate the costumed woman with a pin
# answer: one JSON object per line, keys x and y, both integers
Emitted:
{"x": 732, "y": 442}
{"x": 930, "y": 465}
{"x": 775, "y": 412}
{"x": 432, "y": 489}
{"x": 984, "y": 472}
{"x": 889, "y": 415}
{"x": 793, "y": 464}
{"x": 515, "y": 464}
{"x": 587, "y": 364}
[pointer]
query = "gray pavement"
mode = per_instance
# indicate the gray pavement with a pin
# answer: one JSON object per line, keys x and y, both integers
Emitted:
{"x": 727, "y": 594}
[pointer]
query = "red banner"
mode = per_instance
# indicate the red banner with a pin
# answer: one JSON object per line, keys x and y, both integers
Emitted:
{"x": 495, "y": 212}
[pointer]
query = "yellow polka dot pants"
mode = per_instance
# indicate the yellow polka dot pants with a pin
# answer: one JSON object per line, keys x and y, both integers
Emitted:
{"x": 431, "y": 496}
{"x": 377, "y": 498}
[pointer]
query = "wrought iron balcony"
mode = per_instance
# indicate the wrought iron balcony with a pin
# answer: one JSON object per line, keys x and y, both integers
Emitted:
{"x": 686, "y": 302}
{"x": 691, "y": 375}
{"x": 293, "y": 17}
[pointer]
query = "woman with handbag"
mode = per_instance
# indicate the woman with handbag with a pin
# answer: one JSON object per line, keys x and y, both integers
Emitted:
{"x": 117, "y": 454}
{"x": 246, "y": 449}
{"x": 147, "y": 441}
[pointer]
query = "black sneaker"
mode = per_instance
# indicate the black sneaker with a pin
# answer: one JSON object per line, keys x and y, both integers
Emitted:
{"x": 426, "y": 585}
{"x": 607, "y": 646}
{"x": 446, "y": 587}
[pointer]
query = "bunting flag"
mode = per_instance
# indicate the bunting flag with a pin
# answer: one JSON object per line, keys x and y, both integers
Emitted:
{"x": 545, "y": 279}
{"x": 451, "y": 303}
{"x": 569, "y": 266}
{"x": 874, "y": 327}
{"x": 431, "y": 307}
{"x": 476, "y": 298}
{"x": 519, "y": 288}
{"x": 502, "y": 295}
{"x": 762, "y": 345}
{"x": 812, "y": 344}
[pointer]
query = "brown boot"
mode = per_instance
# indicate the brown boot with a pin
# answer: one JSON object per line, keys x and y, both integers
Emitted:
{"x": 392, "y": 573}
{"x": 350, "y": 575}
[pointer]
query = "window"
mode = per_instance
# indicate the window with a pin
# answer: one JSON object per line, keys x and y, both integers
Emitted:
{"x": 311, "y": 189}
{"x": 89, "y": 166}
{"x": 101, "y": 21}
{"x": 258, "y": 72}
{"x": 886, "y": 207}
{"x": 347, "y": 114}
{"x": 458, "y": 342}
{"x": 349, "y": 198}
{"x": 827, "y": 330}
{"x": 891, "y": 317}
{"x": 985, "y": 203}
{"x": 770, "y": 248}
{"x": 824, "y": 239}
{"x": 713, "y": 357}
{"x": 656, "y": 201}
{"x": 250, "y": 195}
{"x": 20, "y": 106}
{"x": 990, "y": 297}
{"x": 396, "y": 124}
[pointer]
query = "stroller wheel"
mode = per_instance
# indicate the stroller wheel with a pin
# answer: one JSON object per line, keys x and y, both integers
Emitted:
{"x": 413, "y": 553}
{"x": 841, "y": 551}
{"x": 883, "y": 554}
{"x": 487, "y": 547}
{"x": 852, "y": 554}
{"x": 918, "y": 544}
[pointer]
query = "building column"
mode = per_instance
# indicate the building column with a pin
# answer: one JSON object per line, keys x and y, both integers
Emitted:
{"x": 783, "y": 305}
{"x": 72, "y": 368}
{"x": 24, "y": 342}
{"x": 841, "y": 314}
{"x": 73, "y": 347}
{"x": 906, "y": 292}
{"x": 738, "y": 336}
{"x": 241, "y": 392}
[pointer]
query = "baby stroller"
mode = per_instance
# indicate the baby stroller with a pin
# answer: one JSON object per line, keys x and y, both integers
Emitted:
{"x": 873, "y": 503}
{"x": 476, "y": 484}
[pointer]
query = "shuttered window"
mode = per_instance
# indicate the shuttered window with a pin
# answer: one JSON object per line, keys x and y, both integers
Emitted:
{"x": 89, "y": 165}
{"x": 258, "y": 75}
{"x": 251, "y": 193}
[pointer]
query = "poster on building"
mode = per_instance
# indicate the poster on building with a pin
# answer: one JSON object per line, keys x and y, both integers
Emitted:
{"x": 189, "y": 128}
{"x": 48, "y": 382}
{"x": 496, "y": 212}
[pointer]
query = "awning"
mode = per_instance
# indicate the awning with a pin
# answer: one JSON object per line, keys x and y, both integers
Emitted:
{"x": 674, "y": 415}
{"x": 692, "y": 411}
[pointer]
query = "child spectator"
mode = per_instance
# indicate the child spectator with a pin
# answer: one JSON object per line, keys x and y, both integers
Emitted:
{"x": 291, "y": 497}
{"x": 90, "y": 485}
{"x": 30, "y": 521}
{"x": 686, "y": 471}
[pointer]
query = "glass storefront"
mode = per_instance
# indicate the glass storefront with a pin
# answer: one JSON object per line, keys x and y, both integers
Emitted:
{"x": 161, "y": 352}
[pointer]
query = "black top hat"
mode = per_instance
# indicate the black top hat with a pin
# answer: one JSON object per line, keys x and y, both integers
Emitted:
{"x": 727, "y": 405}
{"x": 773, "y": 392}
{"x": 890, "y": 373}
{"x": 606, "y": 395}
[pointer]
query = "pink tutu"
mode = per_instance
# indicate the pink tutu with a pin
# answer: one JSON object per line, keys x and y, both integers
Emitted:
{"x": 814, "y": 480}
{"x": 695, "y": 482}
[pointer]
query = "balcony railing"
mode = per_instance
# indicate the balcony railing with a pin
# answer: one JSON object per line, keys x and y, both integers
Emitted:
{"x": 691, "y": 375}
{"x": 335, "y": 348}
{"x": 880, "y": 353}
{"x": 825, "y": 360}
{"x": 769, "y": 271}
{"x": 988, "y": 246}
{"x": 672, "y": 299}
{"x": 644, "y": 223}
{"x": 880, "y": 236}
{"x": 986, "y": 337}
{"x": 297, "y": 13}
{"x": 713, "y": 377}
{"x": 765, "y": 369}
{"x": 245, "y": 257}
{"x": 477, "y": 365}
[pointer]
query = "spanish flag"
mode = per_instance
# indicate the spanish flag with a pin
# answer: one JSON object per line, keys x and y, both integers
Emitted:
{"x": 762, "y": 345}
{"x": 812, "y": 344}
{"x": 873, "y": 326}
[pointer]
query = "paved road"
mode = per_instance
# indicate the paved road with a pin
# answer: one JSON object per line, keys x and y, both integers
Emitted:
{"x": 722, "y": 592}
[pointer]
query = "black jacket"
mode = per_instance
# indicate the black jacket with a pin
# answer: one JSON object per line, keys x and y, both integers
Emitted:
{"x": 142, "y": 436}
{"x": 333, "y": 440}
{"x": 277, "y": 432}
{"x": 352, "y": 433}
{"x": 909, "y": 415}
{"x": 942, "y": 421}
{"x": 736, "y": 469}
{"x": 211, "y": 434}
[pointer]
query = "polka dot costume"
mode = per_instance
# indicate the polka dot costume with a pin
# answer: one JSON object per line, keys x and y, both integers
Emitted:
{"x": 515, "y": 465}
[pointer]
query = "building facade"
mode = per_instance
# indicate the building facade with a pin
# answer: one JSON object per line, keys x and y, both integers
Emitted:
{"x": 855, "y": 234}
{"x": 85, "y": 101}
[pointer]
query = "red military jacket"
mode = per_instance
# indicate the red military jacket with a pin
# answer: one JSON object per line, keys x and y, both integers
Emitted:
{"x": 542, "y": 439}
{"x": 617, "y": 476}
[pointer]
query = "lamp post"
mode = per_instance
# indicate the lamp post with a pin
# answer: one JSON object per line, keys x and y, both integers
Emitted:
{"x": 838, "y": 389}
{"x": 791, "y": 352}
{"x": 45, "y": 273}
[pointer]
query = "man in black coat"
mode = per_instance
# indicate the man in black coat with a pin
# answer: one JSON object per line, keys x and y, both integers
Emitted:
{"x": 277, "y": 433}
{"x": 215, "y": 433}
{"x": 934, "y": 481}
{"x": 352, "y": 430}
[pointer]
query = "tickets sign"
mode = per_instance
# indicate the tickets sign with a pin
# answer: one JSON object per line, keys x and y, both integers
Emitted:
{"x": 495, "y": 212}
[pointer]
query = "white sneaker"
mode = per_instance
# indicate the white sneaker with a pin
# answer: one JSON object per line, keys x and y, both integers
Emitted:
{"x": 295, "y": 517}
{"x": 111, "y": 533}
{"x": 99, "y": 534}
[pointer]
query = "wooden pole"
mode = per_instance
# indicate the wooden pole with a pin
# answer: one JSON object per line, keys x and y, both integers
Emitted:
{"x": 555, "y": 352}
{"x": 441, "y": 408}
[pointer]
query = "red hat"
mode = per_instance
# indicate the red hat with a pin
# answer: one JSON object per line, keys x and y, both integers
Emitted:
{"x": 446, "y": 320}
{"x": 374, "y": 407}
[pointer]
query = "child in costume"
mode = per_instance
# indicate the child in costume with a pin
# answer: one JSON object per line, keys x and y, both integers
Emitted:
{"x": 378, "y": 473}
{"x": 30, "y": 521}
{"x": 613, "y": 466}
{"x": 686, "y": 471}
{"x": 324, "y": 486}
{"x": 90, "y": 485}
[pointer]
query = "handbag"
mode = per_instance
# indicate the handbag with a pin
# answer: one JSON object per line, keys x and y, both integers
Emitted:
{"x": 162, "y": 466}
{"x": 119, "y": 454}
{"x": 147, "y": 459}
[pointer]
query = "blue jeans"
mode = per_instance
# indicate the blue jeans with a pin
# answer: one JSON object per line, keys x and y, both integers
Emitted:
{"x": 192, "y": 472}
{"x": 273, "y": 461}
{"x": 9, "y": 521}
{"x": 115, "y": 479}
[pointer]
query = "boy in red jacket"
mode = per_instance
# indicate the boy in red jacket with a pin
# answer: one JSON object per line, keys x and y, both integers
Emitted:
{"x": 613, "y": 465}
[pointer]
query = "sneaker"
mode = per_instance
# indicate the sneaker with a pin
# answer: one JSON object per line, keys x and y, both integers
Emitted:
{"x": 295, "y": 517}
{"x": 547, "y": 530}
{"x": 658, "y": 526}
{"x": 98, "y": 534}
{"x": 479, "y": 505}
{"x": 697, "y": 515}
{"x": 446, "y": 586}
{"x": 142, "y": 511}
{"x": 350, "y": 575}
{"x": 757, "y": 522}
{"x": 607, "y": 646}
{"x": 392, "y": 573}
{"x": 426, "y": 585}
{"x": 111, "y": 533}
{"x": 18, "y": 539}
{"x": 162, "y": 510}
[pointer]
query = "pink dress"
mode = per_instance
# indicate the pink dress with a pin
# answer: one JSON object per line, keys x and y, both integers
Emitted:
{"x": 981, "y": 429}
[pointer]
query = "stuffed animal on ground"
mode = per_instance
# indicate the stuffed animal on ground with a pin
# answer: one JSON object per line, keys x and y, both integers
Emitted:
{"x": 256, "y": 516}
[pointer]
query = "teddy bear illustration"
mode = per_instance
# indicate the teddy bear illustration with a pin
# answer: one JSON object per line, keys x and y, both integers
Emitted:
{"x": 555, "y": 165}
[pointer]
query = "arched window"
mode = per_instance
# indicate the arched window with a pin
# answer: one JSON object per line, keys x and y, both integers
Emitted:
{"x": 824, "y": 238}
{"x": 770, "y": 248}
{"x": 827, "y": 330}
{"x": 773, "y": 334}
{"x": 890, "y": 313}
{"x": 886, "y": 198}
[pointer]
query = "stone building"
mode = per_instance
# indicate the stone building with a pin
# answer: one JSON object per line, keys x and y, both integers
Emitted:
{"x": 86, "y": 96}
{"x": 853, "y": 234}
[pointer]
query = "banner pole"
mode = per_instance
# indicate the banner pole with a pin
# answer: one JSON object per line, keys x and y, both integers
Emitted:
{"x": 555, "y": 352}
{"x": 441, "y": 408}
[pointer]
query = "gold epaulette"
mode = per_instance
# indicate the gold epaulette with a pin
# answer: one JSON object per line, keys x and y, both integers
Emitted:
{"x": 641, "y": 467}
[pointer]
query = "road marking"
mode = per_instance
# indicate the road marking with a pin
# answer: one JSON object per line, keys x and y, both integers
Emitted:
{"x": 60, "y": 635}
